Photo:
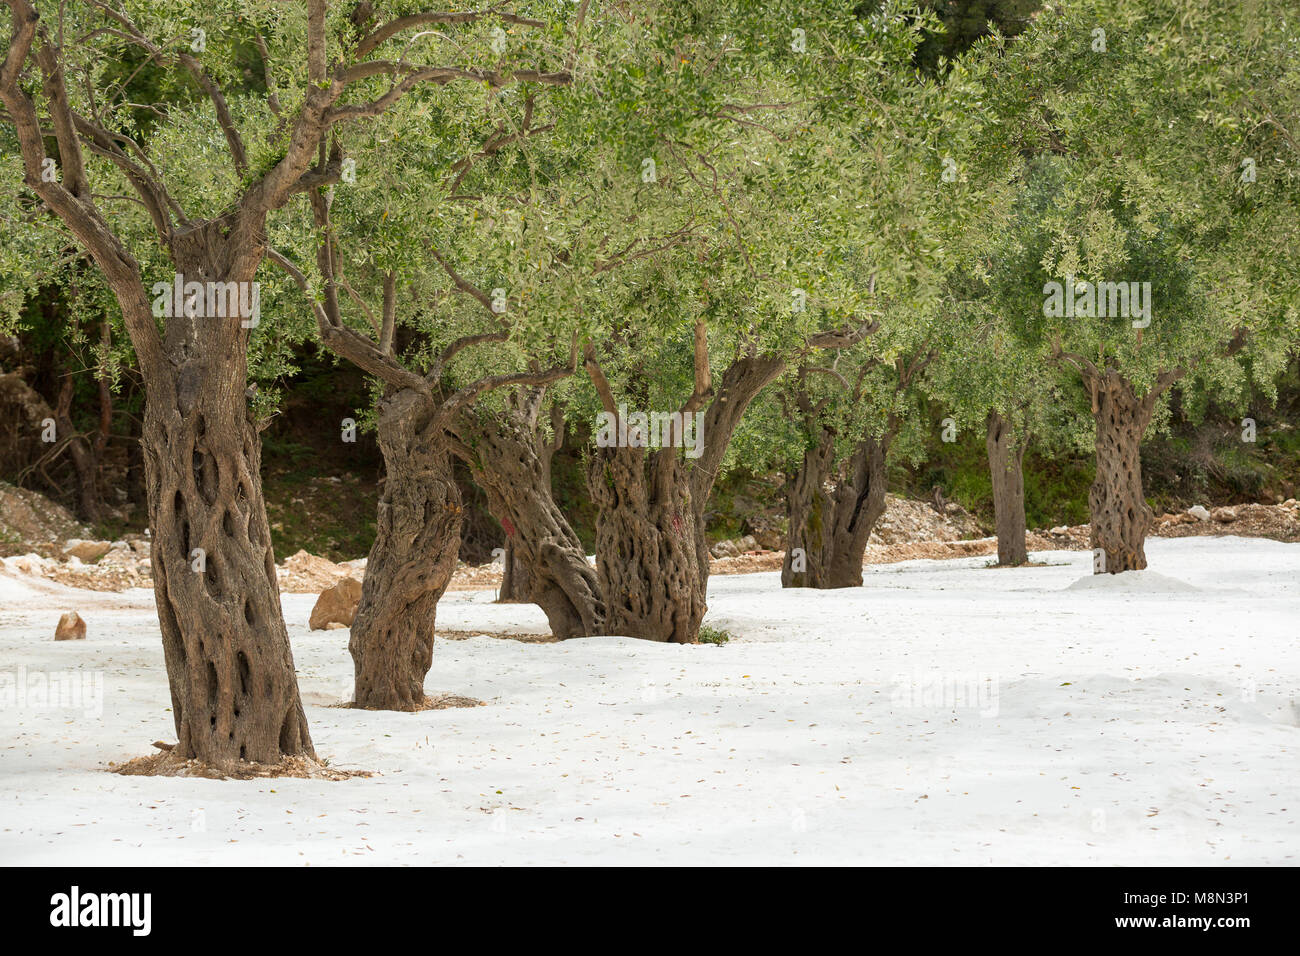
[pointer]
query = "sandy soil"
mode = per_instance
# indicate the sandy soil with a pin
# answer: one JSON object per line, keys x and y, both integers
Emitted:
{"x": 943, "y": 713}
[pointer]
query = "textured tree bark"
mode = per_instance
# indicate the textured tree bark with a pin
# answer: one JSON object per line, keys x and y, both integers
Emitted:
{"x": 1120, "y": 515}
{"x": 509, "y": 461}
{"x": 516, "y": 582}
{"x": 229, "y": 663}
{"x": 832, "y": 513}
{"x": 411, "y": 561}
{"x": 651, "y": 556}
{"x": 1006, "y": 460}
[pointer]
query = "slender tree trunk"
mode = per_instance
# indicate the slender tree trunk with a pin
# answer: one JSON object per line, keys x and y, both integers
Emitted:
{"x": 137, "y": 486}
{"x": 1006, "y": 460}
{"x": 832, "y": 514}
{"x": 84, "y": 460}
{"x": 1120, "y": 515}
{"x": 651, "y": 556}
{"x": 411, "y": 561}
{"x": 229, "y": 663}
{"x": 512, "y": 465}
{"x": 516, "y": 582}
{"x": 808, "y": 512}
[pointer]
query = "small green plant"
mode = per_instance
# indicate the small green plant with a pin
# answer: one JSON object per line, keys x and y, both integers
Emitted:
{"x": 713, "y": 635}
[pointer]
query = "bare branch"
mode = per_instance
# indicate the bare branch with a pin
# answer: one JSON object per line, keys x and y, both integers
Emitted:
{"x": 461, "y": 398}
{"x": 598, "y": 379}
{"x": 703, "y": 376}
{"x": 369, "y": 43}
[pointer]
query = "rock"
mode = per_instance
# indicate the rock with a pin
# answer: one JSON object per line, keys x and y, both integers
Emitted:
{"x": 1199, "y": 513}
{"x": 28, "y": 563}
{"x": 33, "y": 520}
{"x": 71, "y": 628}
{"x": 724, "y": 549}
{"x": 1059, "y": 529}
{"x": 303, "y": 572}
{"x": 336, "y": 605}
{"x": 85, "y": 550}
{"x": 1224, "y": 515}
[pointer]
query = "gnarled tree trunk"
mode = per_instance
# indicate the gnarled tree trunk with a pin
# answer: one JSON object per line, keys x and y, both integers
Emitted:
{"x": 511, "y": 463}
{"x": 652, "y": 556}
{"x": 832, "y": 513}
{"x": 1119, "y": 513}
{"x": 229, "y": 663}
{"x": 411, "y": 561}
{"x": 650, "y": 549}
{"x": 1006, "y": 460}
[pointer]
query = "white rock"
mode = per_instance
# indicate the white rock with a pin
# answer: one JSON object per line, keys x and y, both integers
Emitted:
{"x": 1199, "y": 512}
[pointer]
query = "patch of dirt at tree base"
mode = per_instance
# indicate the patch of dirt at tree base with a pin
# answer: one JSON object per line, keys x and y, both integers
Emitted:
{"x": 431, "y": 702}
{"x": 446, "y": 701}
{"x": 547, "y": 638}
{"x": 166, "y": 764}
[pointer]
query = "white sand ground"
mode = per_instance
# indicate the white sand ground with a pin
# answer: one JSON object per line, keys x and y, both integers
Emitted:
{"x": 944, "y": 713}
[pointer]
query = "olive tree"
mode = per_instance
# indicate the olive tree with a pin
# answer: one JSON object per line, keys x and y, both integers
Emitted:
{"x": 323, "y": 68}
{"x": 1135, "y": 236}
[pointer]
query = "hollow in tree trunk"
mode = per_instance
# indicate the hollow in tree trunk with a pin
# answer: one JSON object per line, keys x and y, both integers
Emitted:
{"x": 832, "y": 513}
{"x": 1120, "y": 515}
{"x": 1006, "y": 460}
{"x": 411, "y": 561}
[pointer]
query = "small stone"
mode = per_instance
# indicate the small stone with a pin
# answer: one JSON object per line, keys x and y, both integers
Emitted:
{"x": 1199, "y": 513}
{"x": 85, "y": 550}
{"x": 71, "y": 628}
{"x": 336, "y": 605}
{"x": 1224, "y": 515}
